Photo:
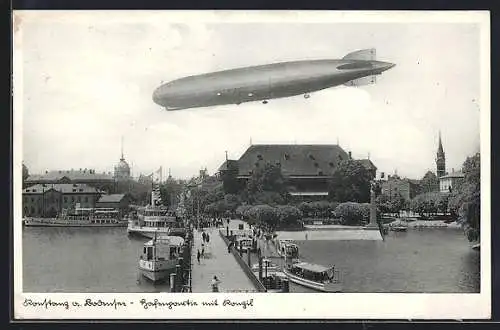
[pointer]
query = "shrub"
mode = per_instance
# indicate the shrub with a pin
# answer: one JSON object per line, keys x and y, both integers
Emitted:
{"x": 352, "y": 213}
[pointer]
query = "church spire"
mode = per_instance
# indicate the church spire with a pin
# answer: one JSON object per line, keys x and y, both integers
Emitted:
{"x": 440, "y": 146}
{"x": 440, "y": 159}
{"x": 122, "y": 158}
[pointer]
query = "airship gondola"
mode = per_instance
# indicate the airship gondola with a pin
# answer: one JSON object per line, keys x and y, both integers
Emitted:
{"x": 270, "y": 81}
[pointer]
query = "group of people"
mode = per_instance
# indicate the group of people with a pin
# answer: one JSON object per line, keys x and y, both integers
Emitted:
{"x": 205, "y": 238}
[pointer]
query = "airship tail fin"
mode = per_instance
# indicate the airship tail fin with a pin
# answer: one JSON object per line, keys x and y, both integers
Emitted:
{"x": 364, "y": 55}
{"x": 368, "y": 80}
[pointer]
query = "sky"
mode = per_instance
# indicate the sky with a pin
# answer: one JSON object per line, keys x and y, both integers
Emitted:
{"x": 88, "y": 81}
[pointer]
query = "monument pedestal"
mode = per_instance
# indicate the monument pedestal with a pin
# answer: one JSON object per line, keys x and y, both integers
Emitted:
{"x": 373, "y": 225}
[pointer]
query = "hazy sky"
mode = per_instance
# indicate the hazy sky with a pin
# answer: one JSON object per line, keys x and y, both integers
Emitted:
{"x": 87, "y": 83}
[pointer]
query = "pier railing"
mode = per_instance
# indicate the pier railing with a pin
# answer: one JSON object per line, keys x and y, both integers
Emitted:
{"x": 246, "y": 268}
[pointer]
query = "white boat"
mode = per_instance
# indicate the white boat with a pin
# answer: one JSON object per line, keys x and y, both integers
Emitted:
{"x": 159, "y": 257}
{"x": 81, "y": 217}
{"x": 153, "y": 219}
{"x": 287, "y": 249}
{"x": 268, "y": 265}
{"x": 313, "y": 276}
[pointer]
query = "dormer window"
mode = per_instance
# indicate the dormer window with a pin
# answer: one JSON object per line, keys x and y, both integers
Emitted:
{"x": 278, "y": 164}
{"x": 81, "y": 189}
{"x": 287, "y": 156}
{"x": 320, "y": 172}
{"x": 259, "y": 157}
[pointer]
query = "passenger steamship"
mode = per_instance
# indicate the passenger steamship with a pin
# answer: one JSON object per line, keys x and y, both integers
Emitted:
{"x": 80, "y": 217}
{"x": 155, "y": 219}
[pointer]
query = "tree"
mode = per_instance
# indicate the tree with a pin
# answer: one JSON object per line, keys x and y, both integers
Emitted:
{"x": 350, "y": 182}
{"x": 351, "y": 213}
{"x": 429, "y": 182}
{"x": 170, "y": 192}
{"x": 390, "y": 204}
{"x": 288, "y": 215}
{"x": 465, "y": 200}
{"x": 266, "y": 185}
{"x": 229, "y": 178}
{"x": 264, "y": 214}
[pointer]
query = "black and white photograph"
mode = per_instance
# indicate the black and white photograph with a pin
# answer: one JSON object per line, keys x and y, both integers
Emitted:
{"x": 282, "y": 164}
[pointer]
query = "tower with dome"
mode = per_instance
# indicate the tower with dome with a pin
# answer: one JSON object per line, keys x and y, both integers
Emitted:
{"x": 122, "y": 169}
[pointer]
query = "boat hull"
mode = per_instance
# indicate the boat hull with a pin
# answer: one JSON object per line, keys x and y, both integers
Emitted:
{"x": 157, "y": 271}
{"x": 62, "y": 223}
{"x": 324, "y": 287}
{"x": 148, "y": 232}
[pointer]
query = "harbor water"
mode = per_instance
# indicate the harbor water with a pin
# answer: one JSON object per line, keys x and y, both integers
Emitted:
{"x": 106, "y": 259}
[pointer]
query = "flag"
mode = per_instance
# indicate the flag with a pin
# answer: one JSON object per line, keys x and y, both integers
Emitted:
{"x": 157, "y": 175}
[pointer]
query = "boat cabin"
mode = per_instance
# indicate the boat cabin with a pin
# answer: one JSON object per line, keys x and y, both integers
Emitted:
{"x": 163, "y": 248}
{"x": 244, "y": 244}
{"x": 155, "y": 217}
{"x": 313, "y": 272}
{"x": 93, "y": 215}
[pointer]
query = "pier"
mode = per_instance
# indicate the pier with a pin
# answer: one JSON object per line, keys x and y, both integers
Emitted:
{"x": 217, "y": 262}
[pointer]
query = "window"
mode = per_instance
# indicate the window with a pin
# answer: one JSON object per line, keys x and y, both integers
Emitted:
{"x": 331, "y": 164}
{"x": 32, "y": 199}
{"x": 287, "y": 156}
{"x": 259, "y": 157}
{"x": 79, "y": 198}
{"x": 86, "y": 199}
{"x": 65, "y": 199}
{"x": 72, "y": 198}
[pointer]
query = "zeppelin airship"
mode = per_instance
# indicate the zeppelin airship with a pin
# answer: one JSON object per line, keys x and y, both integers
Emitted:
{"x": 271, "y": 81}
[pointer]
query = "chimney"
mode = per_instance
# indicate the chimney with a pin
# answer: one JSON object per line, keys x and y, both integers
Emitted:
{"x": 350, "y": 155}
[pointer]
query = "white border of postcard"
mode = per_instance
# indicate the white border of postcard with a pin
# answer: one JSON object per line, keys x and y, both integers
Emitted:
{"x": 263, "y": 306}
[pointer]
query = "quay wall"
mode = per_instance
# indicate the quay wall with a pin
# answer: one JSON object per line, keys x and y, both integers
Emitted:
{"x": 246, "y": 269}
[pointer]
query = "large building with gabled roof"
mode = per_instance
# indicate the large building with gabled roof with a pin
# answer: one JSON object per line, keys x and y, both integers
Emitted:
{"x": 103, "y": 181}
{"x": 307, "y": 167}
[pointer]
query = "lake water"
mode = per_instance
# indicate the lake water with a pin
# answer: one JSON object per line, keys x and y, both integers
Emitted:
{"x": 105, "y": 260}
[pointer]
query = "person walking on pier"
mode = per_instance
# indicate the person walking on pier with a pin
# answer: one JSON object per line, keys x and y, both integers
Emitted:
{"x": 203, "y": 251}
{"x": 215, "y": 284}
{"x": 198, "y": 256}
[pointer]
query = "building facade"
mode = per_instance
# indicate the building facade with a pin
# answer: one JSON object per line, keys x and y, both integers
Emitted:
{"x": 395, "y": 186}
{"x": 307, "y": 168}
{"x": 119, "y": 202}
{"x": 449, "y": 182}
{"x": 49, "y": 200}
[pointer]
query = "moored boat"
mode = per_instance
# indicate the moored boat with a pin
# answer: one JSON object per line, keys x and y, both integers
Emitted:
{"x": 313, "y": 276}
{"x": 287, "y": 249}
{"x": 159, "y": 257}
{"x": 155, "y": 219}
{"x": 81, "y": 217}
